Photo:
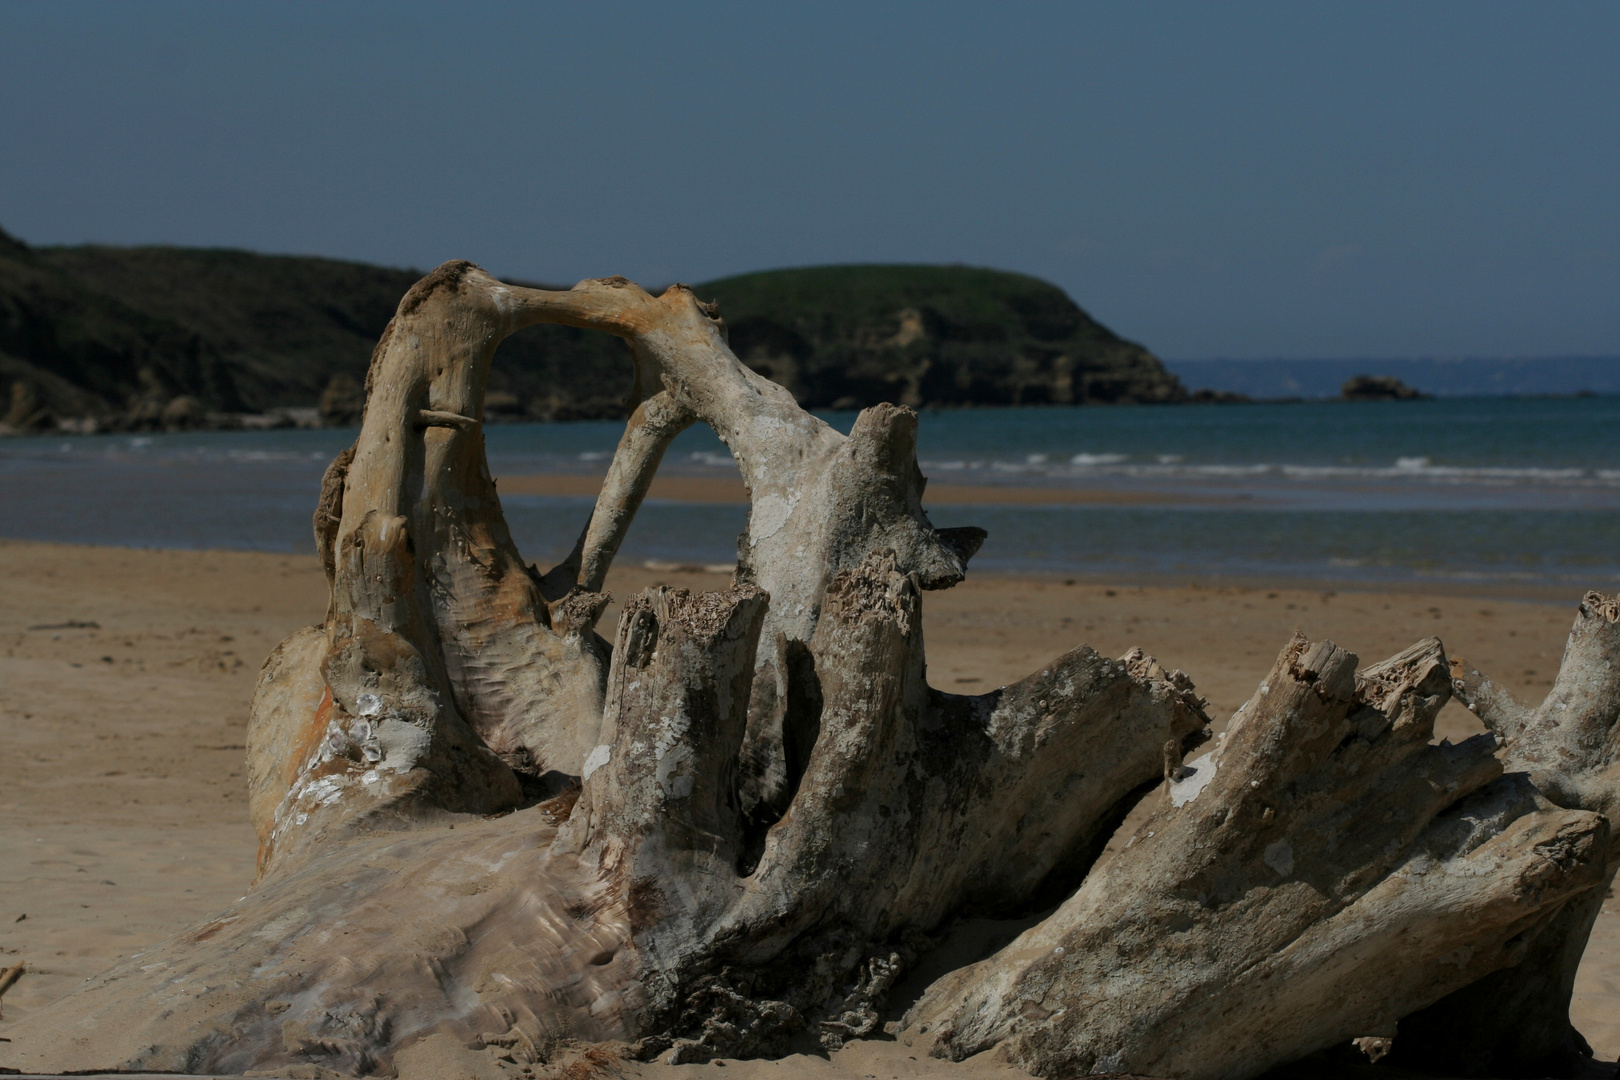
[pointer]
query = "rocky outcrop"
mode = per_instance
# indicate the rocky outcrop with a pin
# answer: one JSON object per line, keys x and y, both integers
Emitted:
{"x": 1378, "y": 388}
{"x": 27, "y": 413}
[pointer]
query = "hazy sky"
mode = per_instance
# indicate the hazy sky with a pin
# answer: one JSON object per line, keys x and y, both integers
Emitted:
{"x": 1212, "y": 179}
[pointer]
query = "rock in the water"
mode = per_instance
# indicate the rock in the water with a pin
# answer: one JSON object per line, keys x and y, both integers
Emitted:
{"x": 1378, "y": 388}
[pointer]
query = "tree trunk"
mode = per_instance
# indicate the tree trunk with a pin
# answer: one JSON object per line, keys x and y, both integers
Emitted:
{"x": 731, "y": 832}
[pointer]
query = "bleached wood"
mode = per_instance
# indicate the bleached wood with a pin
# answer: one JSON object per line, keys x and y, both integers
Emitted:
{"x": 1321, "y": 874}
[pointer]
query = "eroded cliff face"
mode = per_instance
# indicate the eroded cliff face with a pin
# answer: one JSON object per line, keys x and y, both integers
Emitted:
{"x": 110, "y": 338}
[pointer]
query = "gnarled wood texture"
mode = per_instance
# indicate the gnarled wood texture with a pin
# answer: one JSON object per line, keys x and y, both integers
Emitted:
{"x": 1323, "y": 873}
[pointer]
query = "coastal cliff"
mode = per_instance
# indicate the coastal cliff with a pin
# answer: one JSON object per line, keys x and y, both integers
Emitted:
{"x": 849, "y": 336}
{"x": 130, "y": 338}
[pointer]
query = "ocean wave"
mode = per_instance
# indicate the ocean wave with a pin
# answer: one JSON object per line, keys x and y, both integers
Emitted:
{"x": 1294, "y": 465}
{"x": 1172, "y": 467}
{"x": 143, "y": 451}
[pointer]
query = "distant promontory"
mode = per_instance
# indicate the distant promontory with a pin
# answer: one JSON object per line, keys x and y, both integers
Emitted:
{"x": 127, "y": 338}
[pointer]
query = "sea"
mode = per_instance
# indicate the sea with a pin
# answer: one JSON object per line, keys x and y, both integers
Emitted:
{"x": 1483, "y": 491}
{"x": 1540, "y": 376}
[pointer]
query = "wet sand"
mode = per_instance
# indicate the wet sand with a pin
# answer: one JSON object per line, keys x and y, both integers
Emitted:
{"x": 125, "y": 677}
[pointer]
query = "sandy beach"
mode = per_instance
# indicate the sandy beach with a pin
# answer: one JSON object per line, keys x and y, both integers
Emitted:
{"x": 125, "y": 677}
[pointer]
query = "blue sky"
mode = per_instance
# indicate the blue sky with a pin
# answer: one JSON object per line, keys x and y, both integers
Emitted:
{"x": 1215, "y": 180}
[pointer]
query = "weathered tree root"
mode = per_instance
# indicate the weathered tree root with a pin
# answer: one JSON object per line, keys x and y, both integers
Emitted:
{"x": 912, "y": 806}
{"x": 774, "y": 812}
{"x": 676, "y": 895}
{"x": 1321, "y": 874}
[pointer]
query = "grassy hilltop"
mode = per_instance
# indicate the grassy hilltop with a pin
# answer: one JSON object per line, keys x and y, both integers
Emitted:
{"x": 848, "y": 336}
{"x": 164, "y": 336}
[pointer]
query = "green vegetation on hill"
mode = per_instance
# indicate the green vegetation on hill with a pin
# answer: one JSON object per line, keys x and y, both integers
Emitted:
{"x": 237, "y": 332}
{"x": 847, "y": 336}
{"x": 163, "y": 336}
{"x": 120, "y": 332}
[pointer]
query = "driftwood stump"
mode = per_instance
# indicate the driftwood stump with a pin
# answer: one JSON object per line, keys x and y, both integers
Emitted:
{"x": 731, "y": 831}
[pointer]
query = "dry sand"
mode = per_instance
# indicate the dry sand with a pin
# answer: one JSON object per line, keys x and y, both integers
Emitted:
{"x": 123, "y": 812}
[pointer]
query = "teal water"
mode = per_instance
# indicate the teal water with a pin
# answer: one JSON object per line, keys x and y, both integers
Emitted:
{"x": 1455, "y": 489}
